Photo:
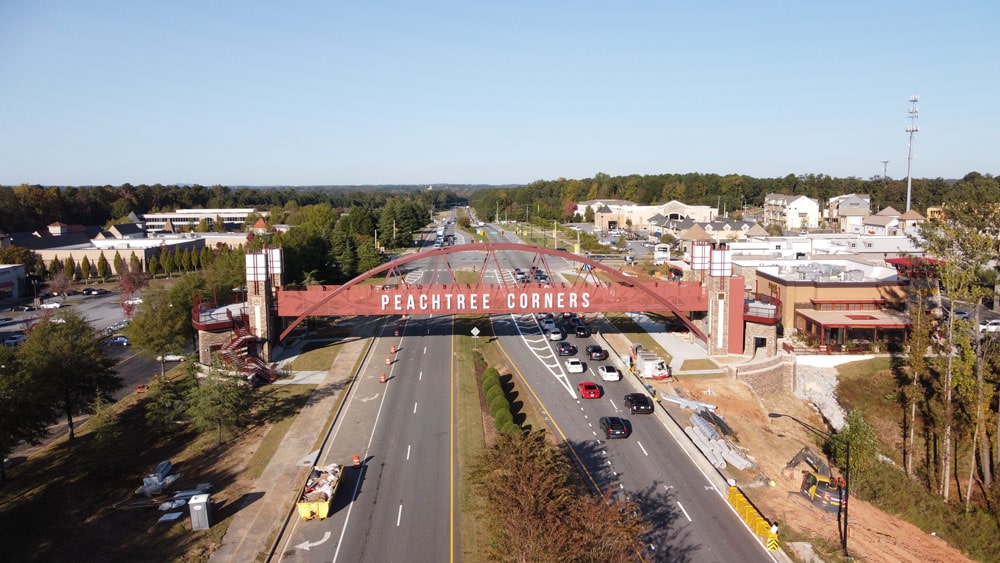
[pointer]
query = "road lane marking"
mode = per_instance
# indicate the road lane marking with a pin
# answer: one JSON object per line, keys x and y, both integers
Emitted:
{"x": 408, "y": 452}
{"x": 420, "y": 376}
{"x": 399, "y": 515}
{"x": 682, "y": 510}
{"x": 425, "y": 349}
{"x": 642, "y": 448}
{"x": 613, "y": 404}
{"x": 414, "y": 408}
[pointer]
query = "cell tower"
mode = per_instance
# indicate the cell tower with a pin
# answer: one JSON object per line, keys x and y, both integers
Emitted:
{"x": 912, "y": 130}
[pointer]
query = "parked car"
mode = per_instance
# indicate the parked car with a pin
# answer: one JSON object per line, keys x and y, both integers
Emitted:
{"x": 94, "y": 291}
{"x": 52, "y": 305}
{"x": 557, "y": 334}
{"x": 614, "y": 427}
{"x": 609, "y": 373}
{"x": 117, "y": 340}
{"x": 595, "y": 352}
{"x": 574, "y": 365}
{"x": 171, "y": 358}
{"x": 548, "y": 325}
{"x": 116, "y": 327}
{"x": 134, "y": 301}
{"x": 566, "y": 349}
{"x": 638, "y": 403}
{"x": 990, "y": 326}
{"x": 14, "y": 339}
{"x": 22, "y": 308}
{"x": 589, "y": 390}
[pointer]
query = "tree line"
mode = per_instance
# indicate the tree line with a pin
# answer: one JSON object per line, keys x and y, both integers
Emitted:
{"x": 556, "y": 199}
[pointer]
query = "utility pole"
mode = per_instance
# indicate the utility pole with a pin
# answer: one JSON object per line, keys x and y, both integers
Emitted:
{"x": 912, "y": 130}
{"x": 885, "y": 170}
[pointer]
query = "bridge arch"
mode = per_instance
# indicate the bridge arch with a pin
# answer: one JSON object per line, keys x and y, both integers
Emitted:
{"x": 630, "y": 293}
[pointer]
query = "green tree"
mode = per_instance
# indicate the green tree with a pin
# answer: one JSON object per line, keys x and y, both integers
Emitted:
{"x": 220, "y": 402}
{"x": 167, "y": 261}
{"x": 196, "y": 258}
{"x": 186, "y": 259}
{"x": 55, "y": 266}
{"x": 102, "y": 267}
{"x": 24, "y": 411}
{"x": 157, "y": 329}
{"x": 134, "y": 265}
{"x": 119, "y": 264}
{"x": 218, "y": 225}
{"x": 85, "y": 269}
{"x": 153, "y": 266}
{"x": 368, "y": 258}
{"x": 19, "y": 255}
{"x": 69, "y": 361}
{"x": 202, "y": 226}
{"x": 69, "y": 267}
{"x": 165, "y": 400}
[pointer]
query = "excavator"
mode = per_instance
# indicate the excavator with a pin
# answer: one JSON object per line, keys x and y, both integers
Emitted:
{"x": 818, "y": 485}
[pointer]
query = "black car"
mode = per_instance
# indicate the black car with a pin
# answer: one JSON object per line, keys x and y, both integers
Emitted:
{"x": 595, "y": 352}
{"x": 94, "y": 291}
{"x": 566, "y": 349}
{"x": 614, "y": 427}
{"x": 582, "y": 331}
{"x": 638, "y": 403}
{"x": 22, "y": 308}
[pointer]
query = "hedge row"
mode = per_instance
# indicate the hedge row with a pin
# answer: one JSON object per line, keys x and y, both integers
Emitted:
{"x": 498, "y": 403}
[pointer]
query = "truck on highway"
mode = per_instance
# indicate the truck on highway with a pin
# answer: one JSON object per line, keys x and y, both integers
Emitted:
{"x": 646, "y": 364}
{"x": 319, "y": 491}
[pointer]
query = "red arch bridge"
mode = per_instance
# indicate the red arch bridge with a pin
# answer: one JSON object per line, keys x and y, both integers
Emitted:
{"x": 476, "y": 279}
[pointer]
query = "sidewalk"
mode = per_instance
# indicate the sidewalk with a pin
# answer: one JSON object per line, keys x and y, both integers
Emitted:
{"x": 259, "y": 522}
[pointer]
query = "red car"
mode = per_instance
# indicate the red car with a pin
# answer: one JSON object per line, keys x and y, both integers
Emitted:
{"x": 589, "y": 390}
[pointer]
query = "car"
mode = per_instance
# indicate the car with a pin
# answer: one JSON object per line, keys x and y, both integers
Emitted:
{"x": 52, "y": 305}
{"x": 548, "y": 325}
{"x": 117, "y": 340}
{"x": 14, "y": 339}
{"x": 94, "y": 291}
{"x": 134, "y": 301}
{"x": 990, "y": 326}
{"x": 609, "y": 373}
{"x": 574, "y": 365}
{"x": 117, "y": 326}
{"x": 595, "y": 352}
{"x": 614, "y": 427}
{"x": 22, "y": 308}
{"x": 638, "y": 403}
{"x": 557, "y": 334}
{"x": 566, "y": 349}
{"x": 582, "y": 331}
{"x": 589, "y": 390}
{"x": 171, "y": 358}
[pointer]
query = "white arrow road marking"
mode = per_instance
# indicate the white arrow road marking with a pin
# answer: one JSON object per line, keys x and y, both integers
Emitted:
{"x": 372, "y": 398}
{"x": 308, "y": 544}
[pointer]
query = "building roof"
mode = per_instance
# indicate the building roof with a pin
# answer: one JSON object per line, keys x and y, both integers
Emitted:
{"x": 912, "y": 215}
{"x": 880, "y": 220}
{"x": 888, "y": 212}
{"x": 696, "y": 232}
{"x": 757, "y": 231}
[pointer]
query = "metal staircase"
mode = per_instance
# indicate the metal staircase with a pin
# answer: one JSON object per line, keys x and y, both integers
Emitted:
{"x": 240, "y": 351}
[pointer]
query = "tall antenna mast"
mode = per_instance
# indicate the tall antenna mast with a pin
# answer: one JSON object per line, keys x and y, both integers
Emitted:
{"x": 885, "y": 170}
{"x": 912, "y": 130}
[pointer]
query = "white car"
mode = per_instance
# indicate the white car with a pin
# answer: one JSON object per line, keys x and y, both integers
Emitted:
{"x": 609, "y": 373}
{"x": 52, "y": 305}
{"x": 557, "y": 334}
{"x": 134, "y": 301}
{"x": 990, "y": 326}
{"x": 574, "y": 365}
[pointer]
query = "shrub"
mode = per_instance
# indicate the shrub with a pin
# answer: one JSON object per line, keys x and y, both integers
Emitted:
{"x": 499, "y": 404}
{"x": 503, "y": 419}
{"x": 493, "y": 393}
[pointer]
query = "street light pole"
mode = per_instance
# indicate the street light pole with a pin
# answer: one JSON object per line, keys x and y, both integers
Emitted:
{"x": 842, "y": 509}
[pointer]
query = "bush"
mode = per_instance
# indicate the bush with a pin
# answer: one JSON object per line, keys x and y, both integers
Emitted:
{"x": 503, "y": 419}
{"x": 491, "y": 385}
{"x": 512, "y": 428}
{"x": 490, "y": 373}
{"x": 493, "y": 393}
{"x": 499, "y": 404}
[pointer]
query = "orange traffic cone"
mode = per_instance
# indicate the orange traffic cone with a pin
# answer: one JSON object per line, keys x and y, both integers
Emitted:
{"x": 382, "y": 378}
{"x": 392, "y": 349}
{"x": 388, "y": 360}
{"x": 357, "y": 461}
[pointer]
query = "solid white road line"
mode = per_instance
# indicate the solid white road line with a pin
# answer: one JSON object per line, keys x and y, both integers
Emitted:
{"x": 642, "y": 448}
{"x": 399, "y": 515}
{"x": 414, "y": 408}
{"x": 682, "y": 510}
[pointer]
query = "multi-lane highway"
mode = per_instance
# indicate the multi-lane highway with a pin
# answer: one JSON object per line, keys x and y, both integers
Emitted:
{"x": 400, "y": 505}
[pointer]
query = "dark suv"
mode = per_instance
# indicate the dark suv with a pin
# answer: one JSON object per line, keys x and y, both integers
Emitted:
{"x": 638, "y": 403}
{"x": 566, "y": 349}
{"x": 582, "y": 331}
{"x": 614, "y": 427}
{"x": 595, "y": 352}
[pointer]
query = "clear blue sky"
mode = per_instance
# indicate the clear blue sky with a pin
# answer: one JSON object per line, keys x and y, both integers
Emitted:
{"x": 299, "y": 93}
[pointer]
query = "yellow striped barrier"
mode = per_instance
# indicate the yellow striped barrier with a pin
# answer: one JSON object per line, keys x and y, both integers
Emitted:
{"x": 767, "y": 532}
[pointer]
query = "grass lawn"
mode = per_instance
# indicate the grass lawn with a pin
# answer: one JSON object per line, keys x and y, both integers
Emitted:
{"x": 69, "y": 501}
{"x": 316, "y": 356}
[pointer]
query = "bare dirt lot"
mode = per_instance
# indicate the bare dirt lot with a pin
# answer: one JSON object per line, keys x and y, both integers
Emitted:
{"x": 873, "y": 535}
